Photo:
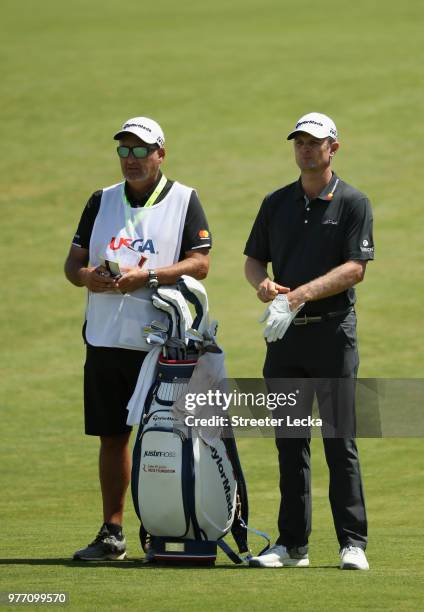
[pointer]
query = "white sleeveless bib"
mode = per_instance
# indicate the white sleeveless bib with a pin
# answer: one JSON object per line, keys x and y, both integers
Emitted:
{"x": 125, "y": 235}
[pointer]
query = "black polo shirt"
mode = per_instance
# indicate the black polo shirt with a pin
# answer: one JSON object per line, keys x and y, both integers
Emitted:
{"x": 305, "y": 239}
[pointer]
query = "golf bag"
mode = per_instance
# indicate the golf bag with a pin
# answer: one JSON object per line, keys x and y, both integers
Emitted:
{"x": 187, "y": 492}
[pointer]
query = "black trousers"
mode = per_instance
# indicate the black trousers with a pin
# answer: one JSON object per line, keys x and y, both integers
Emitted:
{"x": 327, "y": 353}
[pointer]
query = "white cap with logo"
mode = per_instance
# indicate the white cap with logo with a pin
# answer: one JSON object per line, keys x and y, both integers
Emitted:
{"x": 147, "y": 129}
{"x": 317, "y": 125}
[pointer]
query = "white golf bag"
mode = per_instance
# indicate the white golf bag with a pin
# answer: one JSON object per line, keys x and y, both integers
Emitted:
{"x": 188, "y": 493}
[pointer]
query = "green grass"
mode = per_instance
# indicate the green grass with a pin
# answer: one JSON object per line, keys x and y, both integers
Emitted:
{"x": 56, "y": 508}
{"x": 226, "y": 80}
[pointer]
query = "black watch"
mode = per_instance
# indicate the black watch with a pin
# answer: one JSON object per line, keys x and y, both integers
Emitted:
{"x": 152, "y": 281}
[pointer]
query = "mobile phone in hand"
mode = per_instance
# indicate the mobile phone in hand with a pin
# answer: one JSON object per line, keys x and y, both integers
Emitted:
{"x": 113, "y": 268}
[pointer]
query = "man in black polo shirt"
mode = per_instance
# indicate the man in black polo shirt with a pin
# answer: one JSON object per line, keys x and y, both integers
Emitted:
{"x": 317, "y": 234}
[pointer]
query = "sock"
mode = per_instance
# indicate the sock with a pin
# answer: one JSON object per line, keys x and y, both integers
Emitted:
{"x": 115, "y": 530}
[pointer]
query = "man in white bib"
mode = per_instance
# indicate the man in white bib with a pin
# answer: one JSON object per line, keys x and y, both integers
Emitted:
{"x": 133, "y": 236}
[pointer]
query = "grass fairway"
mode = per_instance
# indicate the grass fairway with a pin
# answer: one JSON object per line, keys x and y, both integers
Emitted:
{"x": 227, "y": 81}
{"x": 54, "y": 510}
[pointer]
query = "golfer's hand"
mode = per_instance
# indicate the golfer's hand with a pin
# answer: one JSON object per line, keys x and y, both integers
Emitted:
{"x": 268, "y": 290}
{"x": 278, "y": 317}
{"x": 97, "y": 279}
{"x": 132, "y": 279}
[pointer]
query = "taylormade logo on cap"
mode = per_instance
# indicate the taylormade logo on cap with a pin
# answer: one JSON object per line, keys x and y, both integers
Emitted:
{"x": 317, "y": 125}
{"x": 147, "y": 129}
{"x": 139, "y": 125}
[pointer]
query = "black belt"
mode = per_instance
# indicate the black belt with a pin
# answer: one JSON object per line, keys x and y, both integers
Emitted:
{"x": 305, "y": 319}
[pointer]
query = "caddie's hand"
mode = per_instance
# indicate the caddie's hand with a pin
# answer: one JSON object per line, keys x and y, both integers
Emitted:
{"x": 97, "y": 280}
{"x": 132, "y": 279}
{"x": 268, "y": 290}
{"x": 278, "y": 317}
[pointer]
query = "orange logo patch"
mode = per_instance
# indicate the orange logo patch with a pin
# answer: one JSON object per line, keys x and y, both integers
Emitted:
{"x": 204, "y": 234}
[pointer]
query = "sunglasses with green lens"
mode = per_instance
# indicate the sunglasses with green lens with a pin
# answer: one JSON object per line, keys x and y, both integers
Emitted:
{"x": 138, "y": 152}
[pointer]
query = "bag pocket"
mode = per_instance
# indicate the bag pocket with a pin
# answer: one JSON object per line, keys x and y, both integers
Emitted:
{"x": 134, "y": 313}
{"x": 161, "y": 495}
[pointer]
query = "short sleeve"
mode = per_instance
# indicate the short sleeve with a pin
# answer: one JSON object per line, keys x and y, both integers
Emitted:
{"x": 359, "y": 242}
{"x": 257, "y": 245}
{"x": 196, "y": 233}
{"x": 85, "y": 227}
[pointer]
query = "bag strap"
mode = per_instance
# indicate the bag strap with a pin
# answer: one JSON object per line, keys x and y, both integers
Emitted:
{"x": 235, "y": 557}
{"x": 238, "y": 558}
{"x": 241, "y": 517}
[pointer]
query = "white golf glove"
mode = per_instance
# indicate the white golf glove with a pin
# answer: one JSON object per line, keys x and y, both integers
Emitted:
{"x": 278, "y": 317}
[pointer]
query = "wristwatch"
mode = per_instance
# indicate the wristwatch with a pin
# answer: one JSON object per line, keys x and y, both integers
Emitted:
{"x": 152, "y": 281}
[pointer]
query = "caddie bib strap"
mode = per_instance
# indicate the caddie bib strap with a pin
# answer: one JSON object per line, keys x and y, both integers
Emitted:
{"x": 129, "y": 223}
{"x": 153, "y": 196}
{"x": 157, "y": 192}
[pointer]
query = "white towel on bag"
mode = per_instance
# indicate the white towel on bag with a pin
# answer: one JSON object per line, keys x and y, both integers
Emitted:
{"x": 145, "y": 380}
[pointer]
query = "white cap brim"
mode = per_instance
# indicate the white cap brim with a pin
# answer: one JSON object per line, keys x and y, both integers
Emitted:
{"x": 142, "y": 134}
{"x": 316, "y": 130}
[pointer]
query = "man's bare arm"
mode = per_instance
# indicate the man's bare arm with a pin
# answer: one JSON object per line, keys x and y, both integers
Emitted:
{"x": 79, "y": 274}
{"x": 337, "y": 280}
{"x": 257, "y": 275}
{"x": 77, "y": 260}
{"x": 195, "y": 264}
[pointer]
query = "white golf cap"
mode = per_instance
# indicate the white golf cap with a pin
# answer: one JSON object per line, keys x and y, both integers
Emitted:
{"x": 148, "y": 130}
{"x": 317, "y": 125}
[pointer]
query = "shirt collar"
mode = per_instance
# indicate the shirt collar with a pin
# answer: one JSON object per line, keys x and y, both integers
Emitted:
{"x": 328, "y": 191}
{"x": 326, "y": 194}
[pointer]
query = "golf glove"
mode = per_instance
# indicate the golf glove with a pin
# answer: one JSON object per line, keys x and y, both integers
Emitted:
{"x": 278, "y": 317}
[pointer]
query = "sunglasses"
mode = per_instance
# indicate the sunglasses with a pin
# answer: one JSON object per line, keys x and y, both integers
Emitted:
{"x": 138, "y": 152}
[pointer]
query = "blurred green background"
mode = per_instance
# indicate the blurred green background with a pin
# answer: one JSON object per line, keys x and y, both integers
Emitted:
{"x": 227, "y": 81}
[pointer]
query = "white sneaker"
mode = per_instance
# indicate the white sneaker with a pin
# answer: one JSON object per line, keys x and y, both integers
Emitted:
{"x": 353, "y": 558}
{"x": 279, "y": 556}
